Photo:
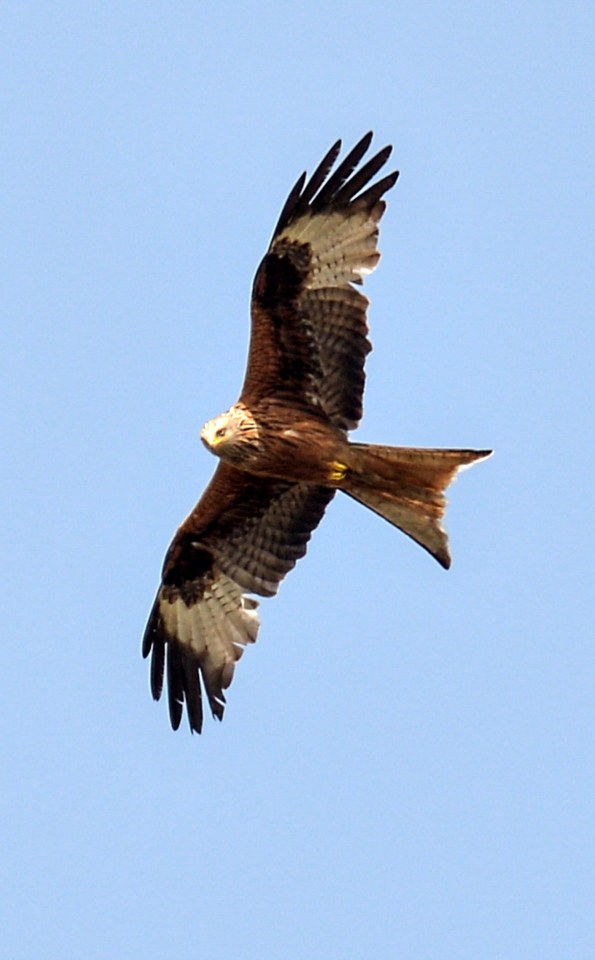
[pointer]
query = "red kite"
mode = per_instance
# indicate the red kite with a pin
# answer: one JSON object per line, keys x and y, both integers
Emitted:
{"x": 283, "y": 446}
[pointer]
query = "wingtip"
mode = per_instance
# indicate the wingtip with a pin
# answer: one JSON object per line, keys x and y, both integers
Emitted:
{"x": 473, "y": 457}
{"x": 385, "y": 152}
{"x": 366, "y": 139}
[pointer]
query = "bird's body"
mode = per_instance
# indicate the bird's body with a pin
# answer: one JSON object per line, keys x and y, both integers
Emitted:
{"x": 276, "y": 440}
{"x": 283, "y": 446}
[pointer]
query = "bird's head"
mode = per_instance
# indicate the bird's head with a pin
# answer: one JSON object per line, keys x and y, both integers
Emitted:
{"x": 232, "y": 435}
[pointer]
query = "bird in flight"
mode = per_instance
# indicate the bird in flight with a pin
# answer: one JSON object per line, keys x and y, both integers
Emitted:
{"x": 283, "y": 447}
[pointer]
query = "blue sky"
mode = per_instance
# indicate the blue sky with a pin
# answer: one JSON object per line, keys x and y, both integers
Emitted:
{"x": 405, "y": 768}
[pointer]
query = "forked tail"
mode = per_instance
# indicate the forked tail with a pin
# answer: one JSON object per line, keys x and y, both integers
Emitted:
{"x": 406, "y": 485}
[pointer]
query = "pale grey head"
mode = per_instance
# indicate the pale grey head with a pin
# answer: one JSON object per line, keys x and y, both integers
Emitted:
{"x": 232, "y": 435}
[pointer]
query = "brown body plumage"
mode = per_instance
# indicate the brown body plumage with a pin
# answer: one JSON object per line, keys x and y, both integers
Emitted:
{"x": 283, "y": 446}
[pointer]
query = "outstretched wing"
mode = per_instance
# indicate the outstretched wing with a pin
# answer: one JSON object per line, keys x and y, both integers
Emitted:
{"x": 309, "y": 338}
{"x": 243, "y": 537}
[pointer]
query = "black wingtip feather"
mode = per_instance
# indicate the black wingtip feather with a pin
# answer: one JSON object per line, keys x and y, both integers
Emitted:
{"x": 157, "y": 668}
{"x": 363, "y": 176}
{"x": 215, "y": 696}
{"x": 175, "y": 686}
{"x": 290, "y": 204}
{"x": 150, "y": 631}
{"x": 320, "y": 174}
{"x": 341, "y": 187}
{"x": 154, "y": 644}
{"x": 343, "y": 171}
{"x": 373, "y": 194}
{"x": 193, "y": 695}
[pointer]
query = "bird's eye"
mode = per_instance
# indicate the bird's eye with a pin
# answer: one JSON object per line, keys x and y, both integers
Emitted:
{"x": 220, "y": 432}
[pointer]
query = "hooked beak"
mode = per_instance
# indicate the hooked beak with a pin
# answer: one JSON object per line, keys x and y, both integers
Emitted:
{"x": 209, "y": 437}
{"x": 206, "y": 435}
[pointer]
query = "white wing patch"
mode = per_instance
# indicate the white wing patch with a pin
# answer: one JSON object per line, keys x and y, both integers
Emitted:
{"x": 343, "y": 244}
{"x": 215, "y": 629}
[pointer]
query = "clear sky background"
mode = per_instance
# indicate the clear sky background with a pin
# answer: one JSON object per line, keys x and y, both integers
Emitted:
{"x": 406, "y": 765}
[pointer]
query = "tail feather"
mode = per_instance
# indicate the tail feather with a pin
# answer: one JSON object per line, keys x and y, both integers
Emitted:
{"x": 406, "y": 485}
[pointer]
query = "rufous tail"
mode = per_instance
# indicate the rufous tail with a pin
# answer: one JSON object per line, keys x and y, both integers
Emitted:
{"x": 406, "y": 485}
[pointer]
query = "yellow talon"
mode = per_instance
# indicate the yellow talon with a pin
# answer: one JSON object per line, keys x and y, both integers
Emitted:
{"x": 338, "y": 471}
